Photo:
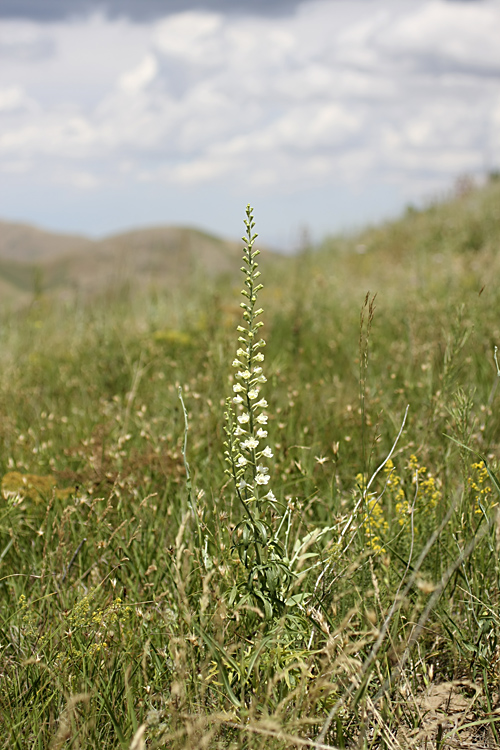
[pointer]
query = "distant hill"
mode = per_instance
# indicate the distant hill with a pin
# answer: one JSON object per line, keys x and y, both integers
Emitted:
{"x": 27, "y": 244}
{"x": 34, "y": 261}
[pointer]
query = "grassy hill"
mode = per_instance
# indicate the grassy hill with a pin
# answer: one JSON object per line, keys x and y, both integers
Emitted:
{"x": 34, "y": 262}
{"x": 27, "y": 244}
{"x": 149, "y": 598}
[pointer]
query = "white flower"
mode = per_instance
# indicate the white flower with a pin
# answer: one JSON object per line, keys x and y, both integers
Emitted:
{"x": 241, "y": 353}
{"x": 242, "y": 484}
{"x": 259, "y": 357}
{"x": 253, "y": 393}
{"x": 262, "y": 403}
{"x": 257, "y": 370}
{"x": 262, "y": 469}
{"x": 261, "y": 433}
{"x": 261, "y": 419}
{"x": 237, "y": 400}
{"x": 244, "y": 418}
{"x": 238, "y": 431}
{"x": 262, "y": 478}
{"x": 251, "y": 442}
{"x": 236, "y": 363}
{"x": 245, "y": 374}
{"x": 238, "y": 388}
{"x": 267, "y": 452}
{"x": 260, "y": 379}
{"x": 270, "y": 496}
{"x": 242, "y": 461}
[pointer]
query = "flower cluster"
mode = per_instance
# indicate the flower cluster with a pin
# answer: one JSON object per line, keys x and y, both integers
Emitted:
{"x": 407, "y": 501}
{"x": 394, "y": 488}
{"x": 479, "y": 484}
{"x": 428, "y": 490}
{"x": 248, "y": 451}
{"x": 375, "y": 525}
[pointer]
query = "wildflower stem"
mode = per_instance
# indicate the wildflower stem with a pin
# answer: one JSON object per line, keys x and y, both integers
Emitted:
{"x": 255, "y": 537}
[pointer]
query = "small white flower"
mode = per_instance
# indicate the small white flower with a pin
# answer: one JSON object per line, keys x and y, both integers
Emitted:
{"x": 262, "y": 478}
{"x": 238, "y": 431}
{"x": 261, "y": 419}
{"x": 270, "y": 496}
{"x": 251, "y": 442}
{"x": 244, "y": 374}
{"x": 253, "y": 393}
{"x": 260, "y": 379}
{"x": 242, "y": 461}
{"x": 262, "y": 469}
{"x": 238, "y": 388}
{"x": 242, "y": 484}
{"x": 237, "y": 400}
{"x": 262, "y": 403}
{"x": 236, "y": 363}
{"x": 241, "y": 353}
{"x": 257, "y": 370}
{"x": 267, "y": 452}
{"x": 259, "y": 357}
{"x": 244, "y": 418}
{"x": 261, "y": 433}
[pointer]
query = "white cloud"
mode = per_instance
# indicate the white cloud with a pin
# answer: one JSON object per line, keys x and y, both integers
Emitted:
{"x": 342, "y": 90}
{"x": 13, "y": 98}
{"x": 190, "y": 36}
{"x": 138, "y": 78}
{"x": 446, "y": 35}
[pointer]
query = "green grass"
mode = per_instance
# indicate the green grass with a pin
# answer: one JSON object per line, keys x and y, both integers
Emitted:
{"x": 117, "y": 624}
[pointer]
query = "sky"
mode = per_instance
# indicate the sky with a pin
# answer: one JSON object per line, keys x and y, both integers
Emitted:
{"x": 325, "y": 115}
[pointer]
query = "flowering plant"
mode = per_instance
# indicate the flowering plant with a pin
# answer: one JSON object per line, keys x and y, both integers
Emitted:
{"x": 255, "y": 538}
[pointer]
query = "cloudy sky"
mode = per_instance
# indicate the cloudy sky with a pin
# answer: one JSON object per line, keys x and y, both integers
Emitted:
{"x": 323, "y": 114}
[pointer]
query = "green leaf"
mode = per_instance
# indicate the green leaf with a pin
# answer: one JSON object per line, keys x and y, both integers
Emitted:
{"x": 298, "y": 599}
{"x": 220, "y": 656}
{"x": 262, "y": 529}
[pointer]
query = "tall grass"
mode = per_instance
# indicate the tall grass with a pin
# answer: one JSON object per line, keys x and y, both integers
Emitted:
{"x": 322, "y": 592}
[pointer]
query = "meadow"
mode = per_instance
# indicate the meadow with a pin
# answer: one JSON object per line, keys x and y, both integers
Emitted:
{"x": 220, "y": 535}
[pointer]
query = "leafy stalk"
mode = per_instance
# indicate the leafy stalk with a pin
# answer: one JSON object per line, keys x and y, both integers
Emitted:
{"x": 247, "y": 452}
